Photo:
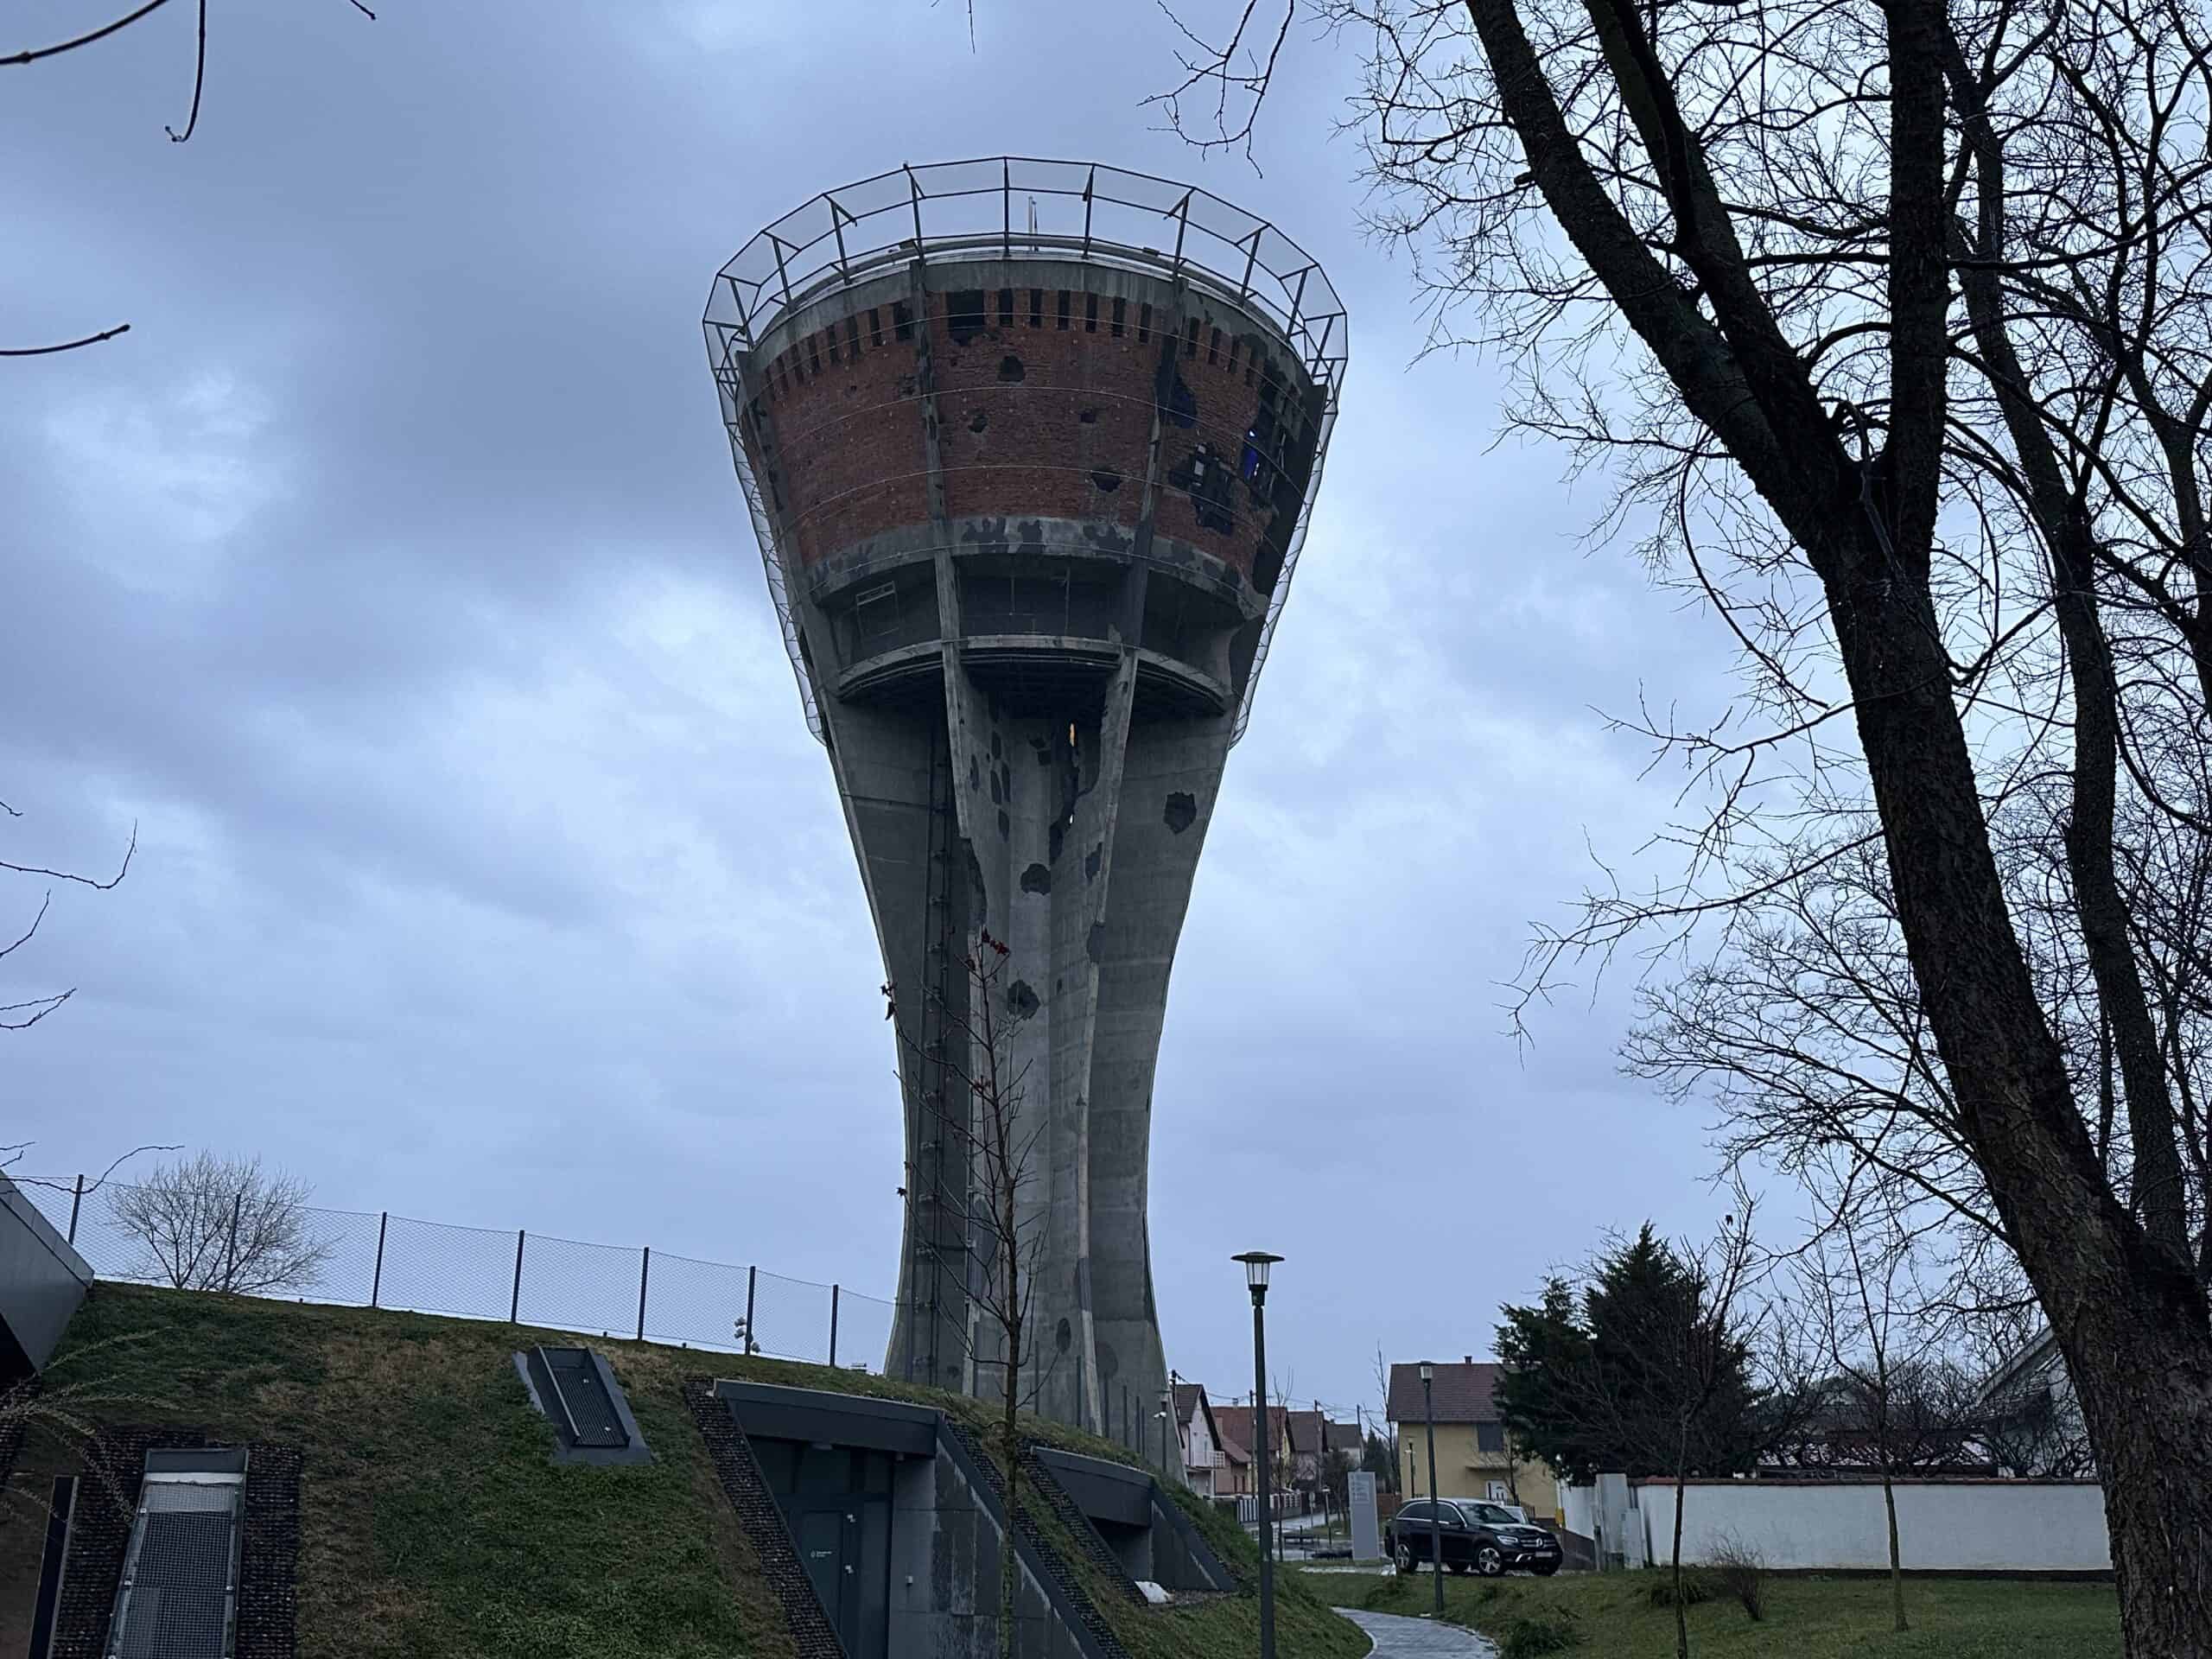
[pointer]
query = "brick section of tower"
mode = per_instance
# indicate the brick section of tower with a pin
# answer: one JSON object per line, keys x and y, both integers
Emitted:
{"x": 1036, "y": 419}
{"x": 850, "y": 426}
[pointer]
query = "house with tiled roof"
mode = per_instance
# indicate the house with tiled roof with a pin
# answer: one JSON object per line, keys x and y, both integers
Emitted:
{"x": 1475, "y": 1455}
{"x": 1203, "y": 1457}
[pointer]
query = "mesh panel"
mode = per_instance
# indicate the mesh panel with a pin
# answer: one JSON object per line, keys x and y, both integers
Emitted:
{"x": 573, "y": 1287}
{"x": 431, "y": 1268}
{"x": 863, "y": 1330}
{"x": 176, "y": 1603}
{"x": 698, "y": 1303}
{"x": 565, "y": 1285}
{"x": 791, "y": 1318}
{"x": 590, "y": 1408}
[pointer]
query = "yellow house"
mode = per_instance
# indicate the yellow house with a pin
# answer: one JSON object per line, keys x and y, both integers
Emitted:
{"x": 1475, "y": 1457}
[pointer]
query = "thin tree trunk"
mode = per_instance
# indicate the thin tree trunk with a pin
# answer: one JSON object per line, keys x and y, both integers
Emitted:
{"x": 1010, "y": 1442}
{"x": 1682, "y": 1486}
{"x": 1897, "y": 1559}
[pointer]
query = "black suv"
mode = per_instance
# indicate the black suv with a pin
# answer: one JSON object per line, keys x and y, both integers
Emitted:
{"x": 1469, "y": 1536}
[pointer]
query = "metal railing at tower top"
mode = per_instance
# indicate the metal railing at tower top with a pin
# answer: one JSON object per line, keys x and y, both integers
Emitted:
{"x": 1008, "y": 206}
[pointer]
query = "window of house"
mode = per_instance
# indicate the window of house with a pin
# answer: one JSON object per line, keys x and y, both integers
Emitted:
{"x": 1489, "y": 1437}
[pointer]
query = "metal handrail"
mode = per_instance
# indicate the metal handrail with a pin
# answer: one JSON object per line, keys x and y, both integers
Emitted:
{"x": 836, "y": 238}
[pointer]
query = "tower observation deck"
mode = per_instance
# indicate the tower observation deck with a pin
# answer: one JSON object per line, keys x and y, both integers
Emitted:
{"x": 1030, "y": 448}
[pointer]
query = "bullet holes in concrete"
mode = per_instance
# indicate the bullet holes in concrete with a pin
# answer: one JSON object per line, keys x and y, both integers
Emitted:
{"x": 1181, "y": 813}
{"x": 1206, "y": 478}
{"x": 1106, "y": 478}
{"x": 1011, "y": 374}
{"x": 1037, "y": 878}
{"x": 978, "y": 421}
{"x": 1020, "y": 1000}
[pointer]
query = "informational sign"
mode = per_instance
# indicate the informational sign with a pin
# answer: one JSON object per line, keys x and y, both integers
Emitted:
{"x": 1366, "y": 1534}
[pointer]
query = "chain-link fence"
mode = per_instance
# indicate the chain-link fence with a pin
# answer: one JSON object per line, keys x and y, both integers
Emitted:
{"x": 367, "y": 1259}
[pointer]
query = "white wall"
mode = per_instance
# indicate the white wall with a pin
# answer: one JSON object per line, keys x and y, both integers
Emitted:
{"x": 1578, "y": 1508}
{"x": 1969, "y": 1525}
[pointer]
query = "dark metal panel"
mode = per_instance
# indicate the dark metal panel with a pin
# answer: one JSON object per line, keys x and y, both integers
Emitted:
{"x": 42, "y": 1282}
{"x": 812, "y": 1414}
{"x": 1103, "y": 1491}
{"x": 575, "y": 1388}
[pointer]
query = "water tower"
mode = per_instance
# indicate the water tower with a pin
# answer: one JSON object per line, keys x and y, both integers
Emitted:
{"x": 1030, "y": 448}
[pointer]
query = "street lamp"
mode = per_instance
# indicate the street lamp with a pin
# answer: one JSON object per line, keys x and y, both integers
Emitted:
{"x": 1166, "y": 1427}
{"x": 1435, "y": 1505}
{"x": 1256, "y": 1263}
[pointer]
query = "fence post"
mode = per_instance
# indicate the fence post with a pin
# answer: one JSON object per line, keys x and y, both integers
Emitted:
{"x": 376, "y": 1279}
{"x": 833, "y": 1327}
{"x": 752, "y": 1281}
{"x": 644, "y": 1277}
{"x": 76, "y": 1202}
{"x": 230, "y": 1246}
{"x": 514, "y": 1306}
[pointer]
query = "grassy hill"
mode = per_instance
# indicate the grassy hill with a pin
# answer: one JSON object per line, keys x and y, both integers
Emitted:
{"x": 433, "y": 1524}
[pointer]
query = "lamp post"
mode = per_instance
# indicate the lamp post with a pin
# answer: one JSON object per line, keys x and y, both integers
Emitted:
{"x": 1256, "y": 1263}
{"x": 1436, "y": 1504}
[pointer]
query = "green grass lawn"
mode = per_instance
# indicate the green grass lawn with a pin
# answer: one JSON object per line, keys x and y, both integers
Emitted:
{"x": 433, "y": 1522}
{"x": 1806, "y": 1617}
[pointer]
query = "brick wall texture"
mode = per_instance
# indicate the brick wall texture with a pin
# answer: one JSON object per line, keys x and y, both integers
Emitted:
{"x": 1044, "y": 405}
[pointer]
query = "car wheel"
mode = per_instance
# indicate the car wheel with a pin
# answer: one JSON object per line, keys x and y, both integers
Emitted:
{"x": 1545, "y": 1569}
{"x": 1406, "y": 1559}
{"x": 1488, "y": 1562}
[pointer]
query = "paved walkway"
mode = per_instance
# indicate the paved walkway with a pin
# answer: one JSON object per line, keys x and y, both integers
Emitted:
{"x": 1417, "y": 1638}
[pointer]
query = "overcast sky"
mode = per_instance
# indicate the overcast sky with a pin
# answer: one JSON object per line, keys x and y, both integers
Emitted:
{"x": 391, "y": 577}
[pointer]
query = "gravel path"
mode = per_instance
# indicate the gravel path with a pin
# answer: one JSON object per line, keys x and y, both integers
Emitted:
{"x": 1417, "y": 1638}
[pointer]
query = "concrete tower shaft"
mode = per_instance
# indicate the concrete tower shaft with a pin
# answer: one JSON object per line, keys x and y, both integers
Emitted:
{"x": 1030, "y": 448}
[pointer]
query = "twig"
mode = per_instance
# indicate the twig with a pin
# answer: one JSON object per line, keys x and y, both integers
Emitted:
{"x": 199, "y": 81}
{"x": 82, "y": 880}
{"x": 34, "y": 54}
{"x": 48, "y": 351}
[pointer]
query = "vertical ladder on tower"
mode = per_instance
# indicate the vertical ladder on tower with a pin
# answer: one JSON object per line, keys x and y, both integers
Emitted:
{"x": 940, "y": 1224}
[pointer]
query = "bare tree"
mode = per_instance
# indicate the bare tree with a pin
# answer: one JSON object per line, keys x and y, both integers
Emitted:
{"x": 983, "y": 1112}
{"x": 1890, "y": 316}
{"x": 222, "y": 1223}
{"x": 1855, "y": 1283}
